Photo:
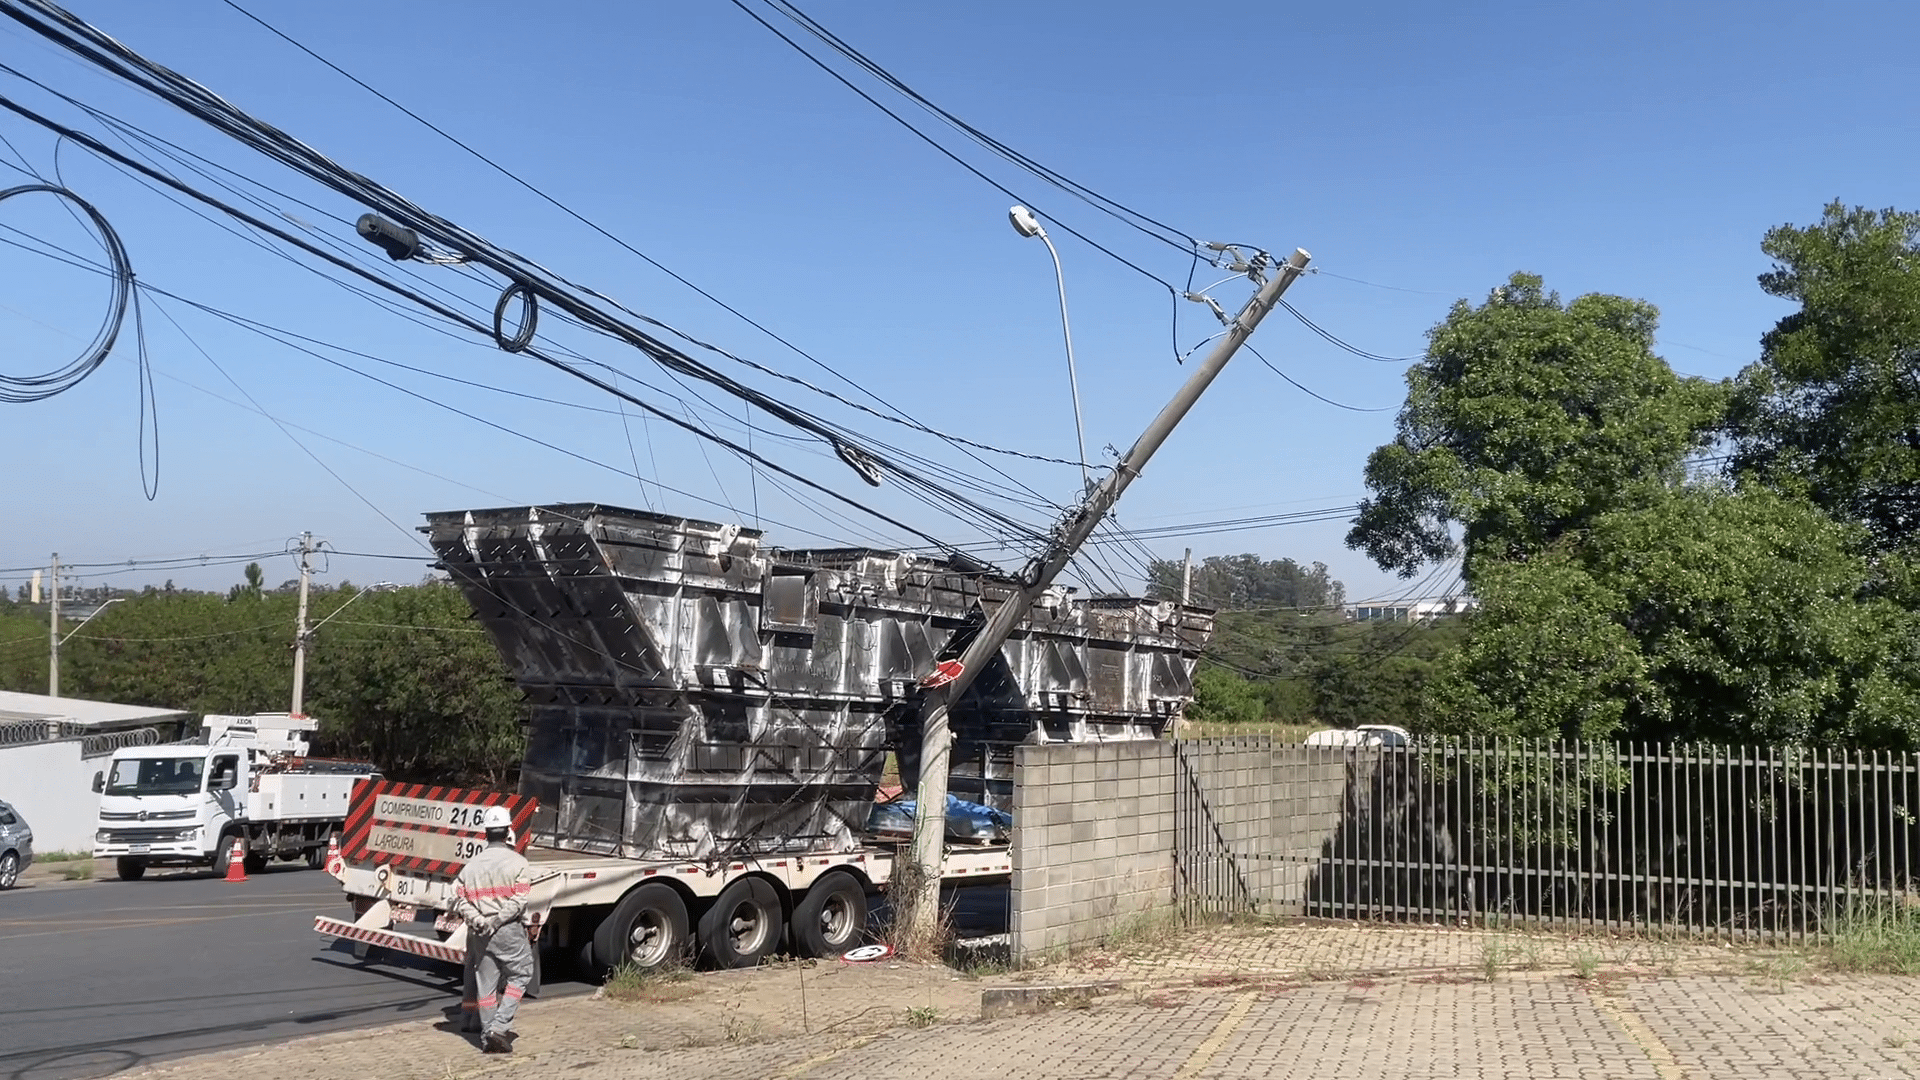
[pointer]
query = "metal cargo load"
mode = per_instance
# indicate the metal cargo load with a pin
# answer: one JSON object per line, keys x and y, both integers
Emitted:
{"x": 695, "y": 694}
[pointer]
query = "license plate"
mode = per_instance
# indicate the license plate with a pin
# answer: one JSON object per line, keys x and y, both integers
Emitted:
{"x": 446, "y": 922}
{"x": 140, "y": 849}
{"x": 404, "y": 912}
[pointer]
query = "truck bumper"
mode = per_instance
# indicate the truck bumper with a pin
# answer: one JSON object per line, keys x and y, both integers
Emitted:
{"x": 389, "y": 939}
{"x": 186, "y": 853}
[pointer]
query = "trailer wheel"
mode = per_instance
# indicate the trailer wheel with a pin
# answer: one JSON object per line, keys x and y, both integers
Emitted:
{"x": 648, "y": 929}
{"x": 831, "y": 916}
{"x": 130, "y": 869}
{"x": 254, "y": 862}
{"x": 744, "y": 925}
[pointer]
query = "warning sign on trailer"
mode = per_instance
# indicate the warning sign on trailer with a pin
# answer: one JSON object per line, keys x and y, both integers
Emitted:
{"x": 425, "y": 829}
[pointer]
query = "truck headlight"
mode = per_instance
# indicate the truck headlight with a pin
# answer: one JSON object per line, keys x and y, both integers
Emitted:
{"x": 187, "y": 834}
{"x": 102, "y": 837}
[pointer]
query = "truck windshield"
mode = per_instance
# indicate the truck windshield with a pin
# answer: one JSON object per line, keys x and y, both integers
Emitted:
{"x": 155, "y": 776}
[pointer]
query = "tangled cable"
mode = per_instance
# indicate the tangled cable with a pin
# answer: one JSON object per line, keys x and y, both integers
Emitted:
{"x": 25, "y": 389}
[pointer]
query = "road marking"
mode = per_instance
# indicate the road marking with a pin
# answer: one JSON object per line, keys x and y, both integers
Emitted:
{"x": 1628, "y": 1021}
{"x": 1221, "y": 1033}
{"x": 138, "y": 924}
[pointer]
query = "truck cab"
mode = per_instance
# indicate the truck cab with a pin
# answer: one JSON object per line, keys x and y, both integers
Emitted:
{"x": 169, "y": 805}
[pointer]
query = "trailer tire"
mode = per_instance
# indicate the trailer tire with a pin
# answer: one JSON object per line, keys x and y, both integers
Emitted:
{"x": 130, "y": 869}
{"x": 648, "y": 930}
{"x": 831, "y": 917}
{"x": 744, "y": 925}
{"x": 254, "y": 862}
{"x": 317, "y": 857}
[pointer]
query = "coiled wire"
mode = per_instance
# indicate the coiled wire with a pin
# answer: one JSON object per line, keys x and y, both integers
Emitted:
{"x": 25, "y": 389}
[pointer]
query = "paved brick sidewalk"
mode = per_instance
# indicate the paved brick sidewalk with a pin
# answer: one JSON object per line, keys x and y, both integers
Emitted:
{"x": 1216, "y": 1005}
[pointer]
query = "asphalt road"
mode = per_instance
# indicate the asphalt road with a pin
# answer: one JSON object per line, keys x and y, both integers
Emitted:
{"x": 100, "y": 977}
{"x": 105, "y": 976}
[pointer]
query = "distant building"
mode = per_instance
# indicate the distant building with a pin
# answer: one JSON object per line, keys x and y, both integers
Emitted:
{"x": 51, "y": 747}
{"x": 1410, "y": 610}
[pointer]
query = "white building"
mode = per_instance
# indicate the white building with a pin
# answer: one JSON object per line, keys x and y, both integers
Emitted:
{"x": 51, "y": 747}
{"x": 1410, "y": 610}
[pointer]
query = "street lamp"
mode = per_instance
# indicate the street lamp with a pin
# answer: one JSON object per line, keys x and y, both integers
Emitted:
{"x": 1028, "y": 226}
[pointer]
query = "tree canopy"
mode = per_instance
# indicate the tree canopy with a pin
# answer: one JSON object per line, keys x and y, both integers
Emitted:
{"x": 1528, "y": 418}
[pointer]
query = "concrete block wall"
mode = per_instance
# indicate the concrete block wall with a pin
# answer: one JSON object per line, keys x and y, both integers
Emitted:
{"x": 1093, "y": 841}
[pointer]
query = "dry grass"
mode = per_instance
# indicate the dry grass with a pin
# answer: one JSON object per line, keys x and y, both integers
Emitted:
{"x": 655, "y": 986}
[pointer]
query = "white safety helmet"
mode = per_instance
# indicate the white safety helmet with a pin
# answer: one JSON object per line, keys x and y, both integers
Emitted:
{"x": 496, "y": 817}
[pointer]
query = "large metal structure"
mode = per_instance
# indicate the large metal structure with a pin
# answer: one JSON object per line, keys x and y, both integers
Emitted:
{"x": 694, "y": 693}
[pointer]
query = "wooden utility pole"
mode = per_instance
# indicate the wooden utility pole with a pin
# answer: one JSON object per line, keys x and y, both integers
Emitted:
{"x": 952, "y": 677}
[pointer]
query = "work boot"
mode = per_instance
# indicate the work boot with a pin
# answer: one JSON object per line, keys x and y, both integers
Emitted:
{"x": 495, "y": 1043}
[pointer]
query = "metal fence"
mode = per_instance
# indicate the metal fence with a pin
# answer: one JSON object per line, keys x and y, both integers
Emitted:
{"x": 1767, "y": 843}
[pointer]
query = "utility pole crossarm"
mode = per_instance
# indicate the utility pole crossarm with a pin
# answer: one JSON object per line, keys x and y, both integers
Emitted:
{"x": 930, "y": 812}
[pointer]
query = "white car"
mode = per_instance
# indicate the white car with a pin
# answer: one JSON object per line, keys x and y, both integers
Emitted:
{"x": 1364, "y": 735}
{"x": 16, "y": 845}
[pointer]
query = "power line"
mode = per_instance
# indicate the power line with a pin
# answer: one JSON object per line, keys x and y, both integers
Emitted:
{"x": 1314, "y": 393}
{"x": 1339, "y": 343}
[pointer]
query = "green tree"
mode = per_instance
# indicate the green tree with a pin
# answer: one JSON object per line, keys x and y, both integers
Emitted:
{"x": 1833, "y": 405}
{"x": 1526, "y": 420}
{"x": 1705, "y": 614}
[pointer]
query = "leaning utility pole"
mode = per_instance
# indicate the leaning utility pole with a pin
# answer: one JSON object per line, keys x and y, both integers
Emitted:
{"x": 930, "y": 813}
{"x": 300, "y": 635}
{"x": 53, "y": 632}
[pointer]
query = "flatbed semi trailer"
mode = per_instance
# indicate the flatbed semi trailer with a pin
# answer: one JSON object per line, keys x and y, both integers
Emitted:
{"x": 609, "y": 911}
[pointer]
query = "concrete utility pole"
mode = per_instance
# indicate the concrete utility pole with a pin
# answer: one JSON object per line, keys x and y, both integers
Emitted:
{"x": 53, "y": 632}
{"x": 1186, "y": 576}
{"x": 300, "y": 635}
{"x": 930, "y": 813}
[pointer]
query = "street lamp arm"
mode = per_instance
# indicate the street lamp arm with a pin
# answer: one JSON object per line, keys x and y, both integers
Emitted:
{"x": 89, "y": 618}
{"x": 1073, "y": 377}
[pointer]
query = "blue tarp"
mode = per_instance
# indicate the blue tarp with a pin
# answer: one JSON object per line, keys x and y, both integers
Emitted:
{"x": 966, "y": 821}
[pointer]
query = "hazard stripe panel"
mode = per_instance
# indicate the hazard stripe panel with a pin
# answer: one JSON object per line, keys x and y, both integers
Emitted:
{"x": 387, "y": 939}
{"x": 423, "y": 829}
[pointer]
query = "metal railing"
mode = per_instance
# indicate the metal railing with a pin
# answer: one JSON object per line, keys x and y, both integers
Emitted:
{"x": 1768, "y": 843}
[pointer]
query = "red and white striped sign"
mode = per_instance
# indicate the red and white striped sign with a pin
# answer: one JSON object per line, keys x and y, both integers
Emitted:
{"x": 424, "y": 828}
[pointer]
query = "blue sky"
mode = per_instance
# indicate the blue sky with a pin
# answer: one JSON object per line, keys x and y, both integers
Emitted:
{"x": 1632, "y": 148}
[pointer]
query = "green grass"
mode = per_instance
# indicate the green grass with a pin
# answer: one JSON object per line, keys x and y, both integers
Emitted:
{"x": 1877, "y": 938}
{"x": 62, "y": 856}
{"x": 78, "y": 871}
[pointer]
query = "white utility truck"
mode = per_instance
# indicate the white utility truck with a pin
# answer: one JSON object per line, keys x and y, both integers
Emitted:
{"x": 185, "y": 804}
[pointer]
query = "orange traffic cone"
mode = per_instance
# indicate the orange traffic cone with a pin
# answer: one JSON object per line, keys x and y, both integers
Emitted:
{"x": 336, "y": 865}
{"x": 236, "y": 862}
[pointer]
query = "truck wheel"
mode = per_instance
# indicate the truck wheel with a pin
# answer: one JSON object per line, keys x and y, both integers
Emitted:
{"x": 648, "y": 930}
{"x": 744, "y": 925}
{"x": 130, "y": 869}
{"x": 222, "y": 855}
{"x": 830, "y": 918}
{"x": 253, "y": 862}
{"x": 317, "y": 857}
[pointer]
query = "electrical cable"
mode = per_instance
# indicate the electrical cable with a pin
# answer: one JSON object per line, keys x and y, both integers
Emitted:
{"x": 26, "y": 389}
{"x": 1331, "y": 339}
{"x": 1312, "y": 393}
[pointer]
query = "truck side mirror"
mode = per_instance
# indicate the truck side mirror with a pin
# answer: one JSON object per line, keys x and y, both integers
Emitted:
{"x": 99, "y": 782}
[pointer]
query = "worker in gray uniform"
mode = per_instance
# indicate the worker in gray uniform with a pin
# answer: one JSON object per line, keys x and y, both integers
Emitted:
{"x": 490, "y": 896}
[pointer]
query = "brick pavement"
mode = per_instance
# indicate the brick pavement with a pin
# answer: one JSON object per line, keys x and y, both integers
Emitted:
{"x": 1217, "y": 1005}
